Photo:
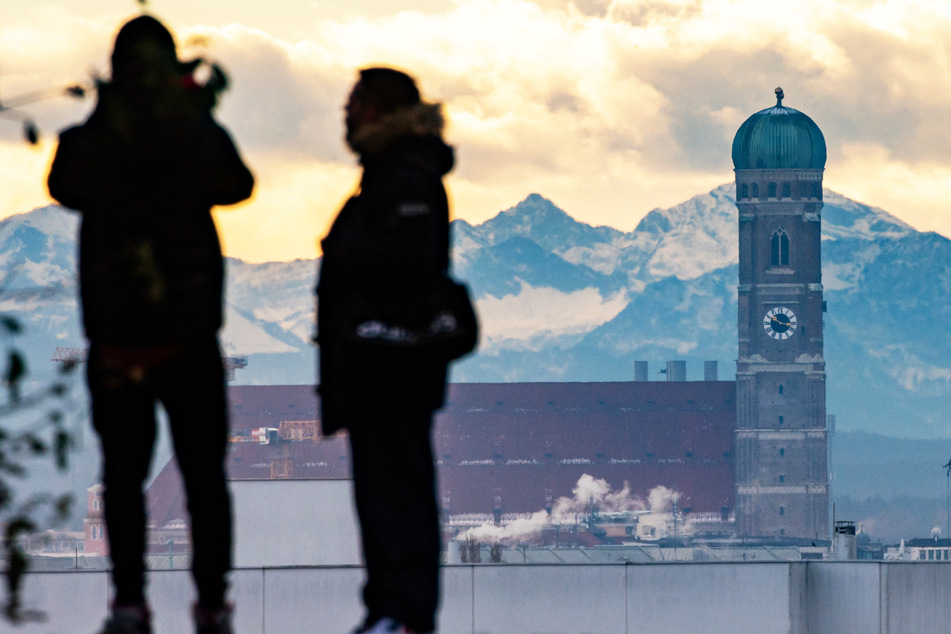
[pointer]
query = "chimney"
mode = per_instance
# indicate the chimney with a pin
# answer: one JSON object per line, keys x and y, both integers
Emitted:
{"x": 677, "y": 371}
{"x": 640, "y": 370}
{"x": 844, "y": 546}
{"x": 710, "y": 371}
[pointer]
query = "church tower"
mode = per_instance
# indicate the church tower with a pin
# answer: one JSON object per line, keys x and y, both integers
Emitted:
{"x": 782, "y": 482}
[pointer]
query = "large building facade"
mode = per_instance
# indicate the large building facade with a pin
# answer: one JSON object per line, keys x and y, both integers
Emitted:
{"x": 782, "y": 487}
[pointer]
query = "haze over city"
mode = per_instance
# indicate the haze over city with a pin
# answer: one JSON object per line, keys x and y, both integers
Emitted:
{"x": 610, "y": 109}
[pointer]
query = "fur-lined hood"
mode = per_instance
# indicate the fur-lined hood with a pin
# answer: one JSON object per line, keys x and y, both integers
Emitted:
{"x": 420, "y": 120}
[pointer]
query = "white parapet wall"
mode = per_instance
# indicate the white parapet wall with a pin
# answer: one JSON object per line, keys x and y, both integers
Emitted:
{"x": 752, "y": 597}
{"x": 298, "y": 523}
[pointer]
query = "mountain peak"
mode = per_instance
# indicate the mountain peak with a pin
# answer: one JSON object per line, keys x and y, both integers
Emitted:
{"x": 539, "y": 219}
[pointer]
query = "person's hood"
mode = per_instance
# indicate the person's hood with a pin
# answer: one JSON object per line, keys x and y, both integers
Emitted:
{"x": 417, "y": 129}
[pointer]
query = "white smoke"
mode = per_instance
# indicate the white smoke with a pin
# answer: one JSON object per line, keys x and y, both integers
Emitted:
{"x": 662, "y": 500}
{"x": 589, "y": 494}
{"x": 513, "y": 531}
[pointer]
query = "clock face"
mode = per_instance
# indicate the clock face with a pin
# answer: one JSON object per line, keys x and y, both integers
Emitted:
{"x": 780, "y": 323}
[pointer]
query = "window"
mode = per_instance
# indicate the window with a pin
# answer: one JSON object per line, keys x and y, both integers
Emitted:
{"x": 782, "y": 510}
{"x": 787, "y": 190}
{"x": 780, "y": 389}
{"x": 782, "y": 452}
{"x": 771, "y": 189}
{"x": 780, "y": 419}
{"x": 755, "y": 190}
{"x": 782, "y": 478}
{"x": 746, "y": 191}
{"x": 779, "y": 248}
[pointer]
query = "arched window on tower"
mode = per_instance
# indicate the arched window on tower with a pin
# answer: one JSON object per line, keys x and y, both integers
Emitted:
{"x": 779, "y": 248}
{"x": 755, "y": 190}
{"x": 771, "y": 190}
{"x": 746, "y": 191}
{"x": 787, "y": 190}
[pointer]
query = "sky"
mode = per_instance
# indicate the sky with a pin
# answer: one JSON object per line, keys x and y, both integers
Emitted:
{"x": 610, "y": 108}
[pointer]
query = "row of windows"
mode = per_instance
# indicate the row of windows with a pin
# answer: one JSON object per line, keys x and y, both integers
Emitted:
{"x": 806, "y": 190}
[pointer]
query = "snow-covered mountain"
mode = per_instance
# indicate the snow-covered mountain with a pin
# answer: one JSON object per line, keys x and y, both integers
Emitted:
{"x": 562, "y": 300}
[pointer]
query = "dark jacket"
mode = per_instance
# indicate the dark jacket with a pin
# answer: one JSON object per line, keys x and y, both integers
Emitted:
{"x": 382, "y": 258}
{"x": 150, "y": 264}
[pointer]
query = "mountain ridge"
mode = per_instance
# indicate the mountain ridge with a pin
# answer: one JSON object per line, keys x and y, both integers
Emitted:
{"x": 562, "y": 300}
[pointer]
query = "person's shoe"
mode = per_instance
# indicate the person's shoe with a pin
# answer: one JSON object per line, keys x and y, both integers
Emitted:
{"x": 386, "y": 625}
{"x": 217, "y": 621}
{"x": 128, "y": 619}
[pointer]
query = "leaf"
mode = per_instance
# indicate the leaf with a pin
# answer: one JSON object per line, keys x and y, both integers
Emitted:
{"x": 16, "y": 566}
{"x": 16, "y": 525}
{"x": 63, "y": 506}
{"x": 11, "y": 324}
{"x": 36, "y": 444}
{"x": 12, "y": 468}
{"x": 62, "y": 443}
{"x": 16, "y": 370}
{"x": 31, "y": 132}
{"x": 67, "y": 367}
{"x": 6, "y": 495}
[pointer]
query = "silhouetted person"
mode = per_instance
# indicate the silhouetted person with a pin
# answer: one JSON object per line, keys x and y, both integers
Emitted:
{"x": 144, "y": 171}
{"x": 381, "y": 259}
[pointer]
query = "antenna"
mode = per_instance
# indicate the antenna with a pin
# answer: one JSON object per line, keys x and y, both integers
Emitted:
{"x": 947, "y": 467}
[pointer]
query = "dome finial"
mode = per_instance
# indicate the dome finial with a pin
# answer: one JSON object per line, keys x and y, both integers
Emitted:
{"x": 779, "y": 96}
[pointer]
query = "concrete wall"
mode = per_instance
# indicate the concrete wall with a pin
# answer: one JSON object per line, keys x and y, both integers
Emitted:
{"x": 299, "y": 523}
{"x": 757, "y": 597}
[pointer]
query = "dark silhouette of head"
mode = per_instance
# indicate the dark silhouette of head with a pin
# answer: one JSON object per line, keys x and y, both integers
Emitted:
{"x": 387, "y": 89}
{"x": 378, "y": 92}
{"x": 143, "y": 44}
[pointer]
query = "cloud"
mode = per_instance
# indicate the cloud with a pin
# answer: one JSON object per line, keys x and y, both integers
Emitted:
{"x": 521, "y": 319}
{"x": 613, "y": 107}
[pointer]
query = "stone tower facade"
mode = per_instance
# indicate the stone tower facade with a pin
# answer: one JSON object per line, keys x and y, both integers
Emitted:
{"x": 782, "y": 482}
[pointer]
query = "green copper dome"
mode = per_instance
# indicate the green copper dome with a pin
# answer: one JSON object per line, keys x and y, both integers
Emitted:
{"x": 779, "y": 138}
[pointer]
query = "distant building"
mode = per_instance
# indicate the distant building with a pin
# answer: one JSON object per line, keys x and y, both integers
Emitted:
{"x": 95, "y": 542}
{"x": 922, "y": 549}
{"x": 754, "y": 449}
{"x": 505, "y": 448}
